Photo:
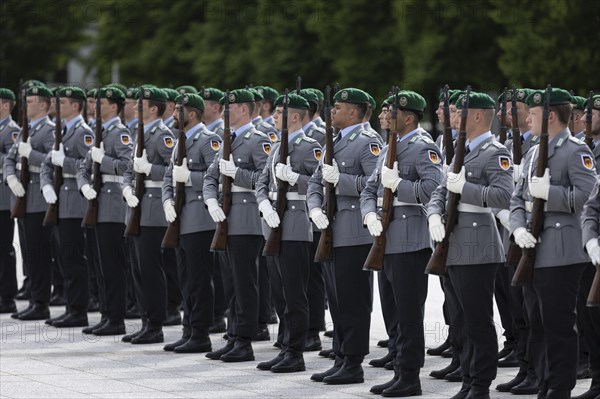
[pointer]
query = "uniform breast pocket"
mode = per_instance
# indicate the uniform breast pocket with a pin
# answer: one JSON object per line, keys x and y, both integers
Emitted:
{"x": 558, "y": 233}
{"x": 474, "y": 173}
{"x": 243, "y": 161}
{"x": 345, "y": 165}
{"x": 411, "y": 222}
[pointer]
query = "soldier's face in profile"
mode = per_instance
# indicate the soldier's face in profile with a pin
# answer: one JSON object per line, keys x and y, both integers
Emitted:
{"x": 91, "y": 107}
{"x": 277, "y": 117}
{"x": 384, "y": 118}
{"x": 595, "y": 121}
{"x": 508, "y": 116}
{"x": 534, "y": 120}
{"x": 341, "y": 115}
{"x": 440, "y": 112}
{"x": 130, "y": 109}
{"x": 66, "y": 108}
{"x": 235, "y": 113}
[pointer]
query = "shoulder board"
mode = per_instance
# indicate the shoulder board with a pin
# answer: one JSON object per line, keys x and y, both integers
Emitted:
{"x": 560, "y": 142}
{"x": 121, "y": 126}
{"x": 153, "y": 129}
{"x": 257, "y": 133}
{"x": 576, "y": 140}
{"x": 309, "y": 139}
{"x": 111, "y": 127}
{"x": 497, "y": 144}
{"x": 369, "y": 133}
{"x": 77, "y": 125}
{"x": 427, "y": 139}
{"x": 298, "y": 140}
{"x": 248, "y": 135}
{"x": 414, "y": 138}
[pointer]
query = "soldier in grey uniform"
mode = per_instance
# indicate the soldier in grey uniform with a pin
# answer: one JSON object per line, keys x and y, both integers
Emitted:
{"x": 77, "y": 138}
{"x": 158, "y": 146}
{"x": 194, "y": 259}
{"x": 356, "y": 152}
{"x": 9, "y": 131}
{"x": 249, "y": 151}
{"x": 268, "y": 104}
{"x": 257, "y": 120}
{"x": 213, "y": 110}
{"x": 91, "y": 107}
{"x": 37, "y": 257}
{"x": 578, "y": 116}
{"x": 293, "y": 262}
{"x": 316, "y": 117}
{"x": 113, "y": 157}
{"x": 416, "y": 173}
{"x": 167, "y": 116}
{"x": 485, "y": 181}
{"x": 310, "y": 128}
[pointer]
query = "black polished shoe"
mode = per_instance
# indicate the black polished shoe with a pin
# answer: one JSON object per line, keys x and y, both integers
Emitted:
{"x": 509, "y": 360}
{"x": 441, "y": 374}
{"x": 382, "y": 361}
{"x": 57, "y": 300}
{"x": 37, "y": 312}
{"x": 151, "y": 335}
{"x": 594, "y": 391}
{"x": 455, "y": 376}
{"x": 462, "y": 394}
{"x": 51, "y": 320}
{"x": 277, "y": 345}
{"x": 216, "y": 355}
{"x": 347, "y": 374}
{"x": 262, "y": 334}
{"x": 378, "y": 389}
{"x": 478, "y": 393}
{"x": 328, "y": 333}
{"x": 173, "y": 318}
{"x": 408, "y": 384}
{"x": 241, "y": 352}
{"x": 507, "y": 386}
{"x": 437, "y": 351}
{"x": 383, "y": 343}
{"x": 325, "y": 352}
{"x": 20, "y": 312}
{"x": 195, "y": 345}
{"x": 389, "y": 365}
{"x": 218, "y": 327}
{"x": 313, "y": 343}
{"x": 110, "y": 328}
{"x": 8, "y": 306}
{"x": 171, "y": 347}
{"x": 72, "y": 320}
{"x": 129, "y": 337}
{"x": 508, "y": 347}
{"x": 266, "y": 366}
{"x": 318, "y": 377}
{"x": 448, "y": 353}
{"x": 558, "y": 394}
{"x": 291, "y": 363}
{"x": 529, "y": 386}
{"x": 90, "y": 329}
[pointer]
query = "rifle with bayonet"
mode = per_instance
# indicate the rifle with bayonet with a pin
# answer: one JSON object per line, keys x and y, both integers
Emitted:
{"x": 51, "y": 216}
{"x": 514, "y": 251}
{"x": 589, "y": 141}
{"x": 503, "y": 126}
{"x": 135, "y": 217}
{"x": 18, "y": 209}
{"x": 91, "y": 214}
{"x": 447, "y": 137}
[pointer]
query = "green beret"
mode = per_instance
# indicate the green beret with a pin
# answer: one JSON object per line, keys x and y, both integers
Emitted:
{"x": 149, "y": 86}
{"x": 257, "y": 96}
{"x": 451, "y": 92}
{"x": 112, "y": 93}
{"x": 294, "y": 101}
{"x": 7, "y": 94}
{"x": 579, "y": 102}
{"x": 268, "y": 93}
{"x": 186, "y": 89}
{"x": 385, "y": 103}
{"x": 319, "y": 94}
{"x": 119, "y": 86}
{"x": 171, "y": 93}
{"x": 595, "y": 102}
{"x": 154, "y": 94}
{"x": 476, "y": 101}
{"x": 454, "y": 96}
{"x": 239, "y": 96}
{"x": 537, "y": 98}
{"x": 91, "y": 93}
{"x": 41, "y": 91}
{"x": 32, "y": 82}
{"x": 191, "y": 100}
{"x": 351, "y": 95}
{"x": 372, "y": 102}
{"x": 72, "y": 92}
{"x": 132, "y": 93}
{"x": 212, "y": 94}
{"x": 521, "y": 95}
{"x": 309, "y": 95}
{"x": 408, "y": 100}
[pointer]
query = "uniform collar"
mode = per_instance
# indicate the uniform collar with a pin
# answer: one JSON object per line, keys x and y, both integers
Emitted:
{"x": 5, "y": 120}
{"x": 73, "y": 121}
{"x": 479, "y": 139}
{"x": 348, "y": 129}
{"x": 132, "y": 123}
{"x": 38, "y": 121}
{"x": 409, "y": 134}
{"x": 150, "y": 125}
{"x": 193, "y": 130}
{"x": 257, "y": 120}
{"x": 168, "y": 120}
{"x": 292, "y": 136}
{"x": 242, "y": 129}
{"x": 110, "y": 122}
{"x": 269, "y": 119}
{"x": 214, "y": 124}
{"x": 308, "y": 126}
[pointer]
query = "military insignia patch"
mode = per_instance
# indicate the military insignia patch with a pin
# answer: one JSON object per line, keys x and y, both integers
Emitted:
{"x": 266, "y": 148}
{"x": 317, "y": 153}
{"x": 15, "y": 135}
{"x": 169, "y": 142}
{"x": 232, "y": 98}
{"x": 125, "y": 139}
{"x": 88, "y": 139}
{"x": 35, "y": 90}
{"x": 215, "y": 144}
{"x": 537, "y": 98}
{"x": 597, "y": 103}
{"x": 344, "y": 95}
{"x": 504, "y": 162}
{"x": 69, "y": 92}
{"x": 433, "y": 157}
{"x": 147, "y": 93}
{"x": 109, "y": 93}
{"x": 273, "y": 136}
{"x": 403, "y": 101}
{"x": 587, "y": 162}
{"x": 520, "y": 94}
{"x": 375, "y": 148}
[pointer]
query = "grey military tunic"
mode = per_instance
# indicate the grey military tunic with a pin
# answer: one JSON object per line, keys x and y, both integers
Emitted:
{"x": 590, "y": 217}
{"x": 356, "y": 157}
{"x": 9, "y": 131}
{"x": 217, "y": 127}
{"x": 304, "y": 154}
{"x": 118, "y": 146}
{"x": 250, "y": 151}
{"x": 572, "y": 178}
{"x": 420, "y": 167}
{"x": 77, "y": 141}
{"x": 41, "y": 138}
{"x": 201, "y": 149}
{"x": 266, "y": 128}
{"x": 319, "y": 122}
{"x": 315, "y": 132}
{"x": 158, "y": 143}
{"x": 475, "y": 239}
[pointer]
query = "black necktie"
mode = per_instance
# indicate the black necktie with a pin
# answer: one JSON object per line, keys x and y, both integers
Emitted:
{"x": 233, "y": 136}
{"x": 64, "y": 131}
{"x": 467, "y": 149}
{"x": 338, "y": 138}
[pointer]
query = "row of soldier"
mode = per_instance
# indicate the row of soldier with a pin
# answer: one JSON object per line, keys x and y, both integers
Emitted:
{"x": 490, "y": 189}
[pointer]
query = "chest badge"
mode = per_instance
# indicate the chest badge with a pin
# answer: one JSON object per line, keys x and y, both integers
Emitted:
{"x": 14, "y": 136}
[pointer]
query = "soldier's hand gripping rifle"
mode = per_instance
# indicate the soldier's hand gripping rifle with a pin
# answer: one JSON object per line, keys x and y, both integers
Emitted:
{"x": 503, "y": 127}
{"x": 524, "y": 272}
{"x": 171, "y": 238}
{"x": 133, "y": 224}
{"x": 18, "y": 209}
{"x": 219, "y": 242}
{"x": 51, "y": 216}
{"x": 514, "y": 251}
{"x": 437, "y": 262}
{"x": 91, "y": 214}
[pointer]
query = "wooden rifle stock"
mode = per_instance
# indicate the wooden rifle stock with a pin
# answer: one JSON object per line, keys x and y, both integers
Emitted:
{"x": 51, "y": 216}
{"x": 503, "y": 127}
{"x": 324, "y": 252}
{"x": 171, "y": 238}
{"x": 90, "y": 218}
{"x": 514, "y": 251}
{"x": 589, "y": 140}
{"x": 135, "y": 217}
{"x": 20, "y": 205}
{"x": 437, "y": 262}
{"x": 219, "y": 242}
{"x": 524, "y": 272}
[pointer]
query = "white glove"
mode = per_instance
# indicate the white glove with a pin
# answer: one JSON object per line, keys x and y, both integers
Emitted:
{"x": 331, "y": 173}
{"x": 445, "y": 169}
{"x": 523, "y": 238}
{"x": 88, "y": 192}
{"x": 373, "y": 224}
{"x": 285, "y": 172}
{"x": 437, "y": 230}
{"x": 58, "y": 157}
{"x": 539, "y": 187}
{"x": 15, "y": 186}
{"x": 504, "y": 218}
{"x": 319, "y": 218}
{"x": 141, "y": 164}
{"x": 455, "y": 182}
{"x": 227, "y": 167}
{"x": 593, "y": 250}
{"x": 24, "y": 149}
{"x": 170, "y": 213}
{"x": 216, "y": 213}
{"x": 517, "y": 172}
{"x": 130, "y": 198}
{"x": 181, "y": 174}
{"x": 97, "y": 154}
{"x": 390, "y": 178}
{"x": 269, "y": 214}
{"x": 49, "y": 194}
